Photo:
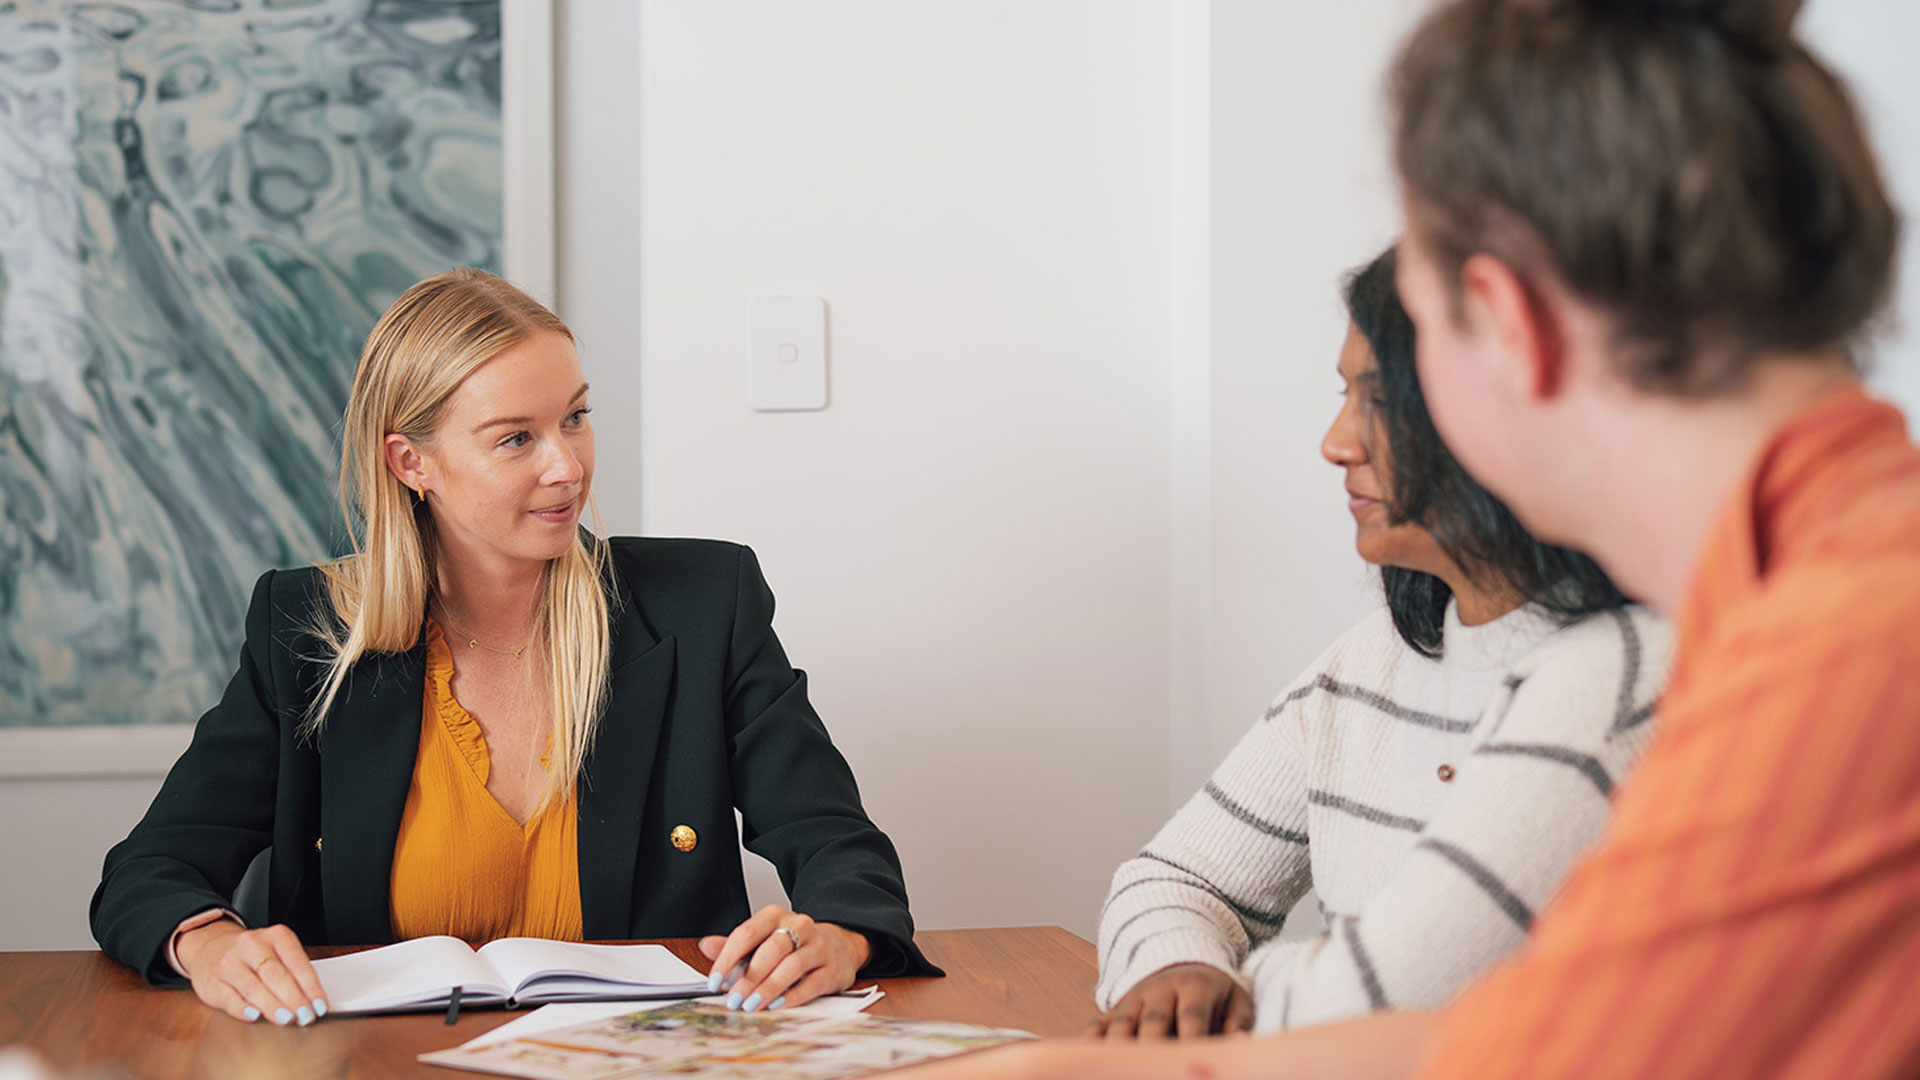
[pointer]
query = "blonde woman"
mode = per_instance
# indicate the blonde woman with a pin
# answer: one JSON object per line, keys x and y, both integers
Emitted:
{"x": 487, "y": 722}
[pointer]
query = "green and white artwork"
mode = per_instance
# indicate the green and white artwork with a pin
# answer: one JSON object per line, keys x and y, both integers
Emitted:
{"x": 204, "y": 206}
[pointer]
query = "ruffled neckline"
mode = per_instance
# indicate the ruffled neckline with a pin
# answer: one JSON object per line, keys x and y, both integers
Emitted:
{"x": 459, "y": 723}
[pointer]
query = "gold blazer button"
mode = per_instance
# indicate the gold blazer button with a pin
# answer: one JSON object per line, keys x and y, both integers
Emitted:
{"x": 316, "y": 843}
{"x": 684, "y": 838}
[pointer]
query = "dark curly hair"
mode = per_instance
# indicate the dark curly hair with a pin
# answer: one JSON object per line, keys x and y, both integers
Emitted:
{"x": 1428, "y": 488}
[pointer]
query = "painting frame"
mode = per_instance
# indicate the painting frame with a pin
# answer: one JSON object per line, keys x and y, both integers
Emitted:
{"x": 529, "y": 259}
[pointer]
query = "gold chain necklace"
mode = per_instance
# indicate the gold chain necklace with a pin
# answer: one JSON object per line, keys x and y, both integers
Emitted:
{"x": 476, "y": 643}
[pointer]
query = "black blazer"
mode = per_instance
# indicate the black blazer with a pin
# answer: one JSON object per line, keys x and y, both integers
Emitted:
{"x": 704, "y": 715}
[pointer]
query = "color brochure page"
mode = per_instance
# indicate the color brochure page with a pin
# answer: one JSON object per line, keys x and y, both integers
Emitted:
{"x": 705, "y": 1039}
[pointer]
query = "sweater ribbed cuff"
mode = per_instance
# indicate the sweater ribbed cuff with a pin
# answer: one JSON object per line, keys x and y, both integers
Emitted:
{"x": 1198, "y": 945}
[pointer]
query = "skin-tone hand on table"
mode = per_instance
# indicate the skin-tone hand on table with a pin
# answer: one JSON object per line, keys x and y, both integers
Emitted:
{"x": 1186, "y": 1001}
{"x": 250, "y": 974}
{"x": 789, "y": 960}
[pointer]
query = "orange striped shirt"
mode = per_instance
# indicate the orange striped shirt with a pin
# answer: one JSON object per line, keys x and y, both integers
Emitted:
{"x": 1754, "y": 909}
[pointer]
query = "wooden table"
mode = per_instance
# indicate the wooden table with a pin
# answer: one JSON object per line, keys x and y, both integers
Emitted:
{"x": 84, "y": 1012}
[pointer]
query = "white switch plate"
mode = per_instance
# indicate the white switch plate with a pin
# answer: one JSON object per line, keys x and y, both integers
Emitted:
{"x": 786, "y": 353}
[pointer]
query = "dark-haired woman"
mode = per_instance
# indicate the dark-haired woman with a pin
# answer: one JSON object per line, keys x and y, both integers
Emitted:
{"x": 1432, "y": 776}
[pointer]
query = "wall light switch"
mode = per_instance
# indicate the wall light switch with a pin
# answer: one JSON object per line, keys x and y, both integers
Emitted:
{"x": 786, "y": 353}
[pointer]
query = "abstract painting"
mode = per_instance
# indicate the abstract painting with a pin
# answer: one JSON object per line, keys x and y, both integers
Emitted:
{"x": 204, "y": 205}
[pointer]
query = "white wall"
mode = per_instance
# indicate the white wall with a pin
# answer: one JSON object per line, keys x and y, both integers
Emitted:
{"x": 1064, "y": 528}
{"x": 65, "y": 798}
{"x": 1870, "y": 42}
{"x": 970, "y": 545}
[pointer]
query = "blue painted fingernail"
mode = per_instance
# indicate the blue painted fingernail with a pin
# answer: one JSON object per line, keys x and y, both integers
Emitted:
{"x": 319, "y": 1007}
{"x": 282, "y": 1017}
{"x": 753, "y": 1003}
{"x": 306, "y": 1016}
{"x": 777, "y": 1002}
{"x": 733, "y": 1000}
{"x": 713, "y": 983}
{"x": 251, "y": 1014}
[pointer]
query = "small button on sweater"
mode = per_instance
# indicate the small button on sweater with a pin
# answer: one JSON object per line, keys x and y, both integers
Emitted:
{"x": 1433, "y": 804}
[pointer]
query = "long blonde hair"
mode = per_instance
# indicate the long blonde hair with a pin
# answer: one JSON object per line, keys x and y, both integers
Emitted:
{"x": 439, "y": 332}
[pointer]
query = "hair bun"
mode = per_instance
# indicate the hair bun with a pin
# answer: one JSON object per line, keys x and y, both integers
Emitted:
{"x": 1766, "y": 25}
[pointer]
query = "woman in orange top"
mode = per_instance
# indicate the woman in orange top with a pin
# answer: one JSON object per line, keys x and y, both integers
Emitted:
{"x": 488, "y": 722}
{"x": 1641, "y": 236}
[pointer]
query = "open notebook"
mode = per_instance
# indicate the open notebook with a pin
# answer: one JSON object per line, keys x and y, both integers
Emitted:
{"x": 421, "y": 974}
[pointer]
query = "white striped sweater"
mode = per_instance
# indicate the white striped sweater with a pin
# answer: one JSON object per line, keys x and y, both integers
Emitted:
{"x": 1424, "y": 882}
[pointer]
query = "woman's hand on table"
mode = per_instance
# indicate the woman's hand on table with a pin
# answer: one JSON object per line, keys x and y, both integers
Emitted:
{"x": 248, "y": 974}
{"x": 1186, "y": 1001}
{"x": 788, "y": 959}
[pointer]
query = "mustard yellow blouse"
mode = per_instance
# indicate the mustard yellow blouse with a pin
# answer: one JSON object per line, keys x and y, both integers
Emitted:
{"x": 462, "y": 865}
